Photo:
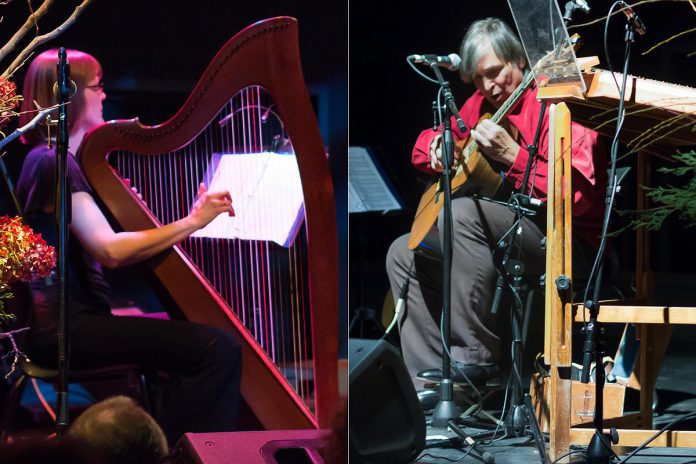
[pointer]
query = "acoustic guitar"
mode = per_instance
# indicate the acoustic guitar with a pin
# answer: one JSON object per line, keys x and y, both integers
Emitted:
{"x": 474, "y": 175}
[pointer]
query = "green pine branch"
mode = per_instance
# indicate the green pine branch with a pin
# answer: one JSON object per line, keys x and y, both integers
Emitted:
{"x": 671, "y": 200}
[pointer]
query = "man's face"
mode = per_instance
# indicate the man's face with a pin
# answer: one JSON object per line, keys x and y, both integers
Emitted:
{"x": 496, "y": 78}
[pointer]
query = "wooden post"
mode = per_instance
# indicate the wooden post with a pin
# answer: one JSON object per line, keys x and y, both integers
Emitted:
{"x": 559, "y": 263}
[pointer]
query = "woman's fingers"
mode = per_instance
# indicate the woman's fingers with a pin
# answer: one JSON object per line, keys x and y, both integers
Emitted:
{"x": 222, "y": 200}
{"x": 201, "y": 189}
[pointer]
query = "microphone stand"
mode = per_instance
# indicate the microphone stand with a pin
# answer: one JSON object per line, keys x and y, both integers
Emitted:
{"x": 62, "y": 220}
{"x": 521, "y": 412}
{"x": 3, "y": 168}
{"x": 599, "y": 449}
{"x": 447, "y": 412}
{"x": 10, "y": 187}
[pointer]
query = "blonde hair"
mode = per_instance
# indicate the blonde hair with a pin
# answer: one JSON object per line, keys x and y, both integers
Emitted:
{"x": 39, "y": 82}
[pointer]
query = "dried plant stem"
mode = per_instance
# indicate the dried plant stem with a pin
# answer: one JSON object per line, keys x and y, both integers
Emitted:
{"x": 29, "y": 24}
{"x": 45, "y": 38}
{"x": 688, "y": 31}
{"x": 642, "y": 2}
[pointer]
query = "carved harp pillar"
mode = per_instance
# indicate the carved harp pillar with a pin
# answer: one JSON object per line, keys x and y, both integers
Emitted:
{"x": 269, "y": 274}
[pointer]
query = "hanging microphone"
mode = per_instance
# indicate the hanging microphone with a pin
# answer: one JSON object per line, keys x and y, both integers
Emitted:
{"x": 451, "y": 61}
{"x": 583, "y": 5}
{"x": 71, "y": 91}
{"x": 632, "y": 17}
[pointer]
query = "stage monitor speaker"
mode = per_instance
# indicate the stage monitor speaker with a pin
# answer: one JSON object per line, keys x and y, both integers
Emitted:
{"x": 267, "y": 447}
{"x": 386, "y": 424}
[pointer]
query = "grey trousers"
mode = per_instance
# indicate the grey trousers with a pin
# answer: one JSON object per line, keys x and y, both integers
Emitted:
{"x": 478, "y": 225}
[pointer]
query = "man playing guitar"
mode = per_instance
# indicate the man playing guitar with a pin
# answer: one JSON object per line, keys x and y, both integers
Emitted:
{"x": 494, "y": 61}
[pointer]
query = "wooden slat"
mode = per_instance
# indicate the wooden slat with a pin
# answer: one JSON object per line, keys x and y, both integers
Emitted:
{"x": 642, "y": 314}
{"x": 559, "y": 262}
{"x": 628, "y": 437}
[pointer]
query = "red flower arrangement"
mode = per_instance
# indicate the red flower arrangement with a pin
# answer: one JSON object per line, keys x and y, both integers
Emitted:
{"x": 24, "y": 256}
{"x": 9, "y": 101}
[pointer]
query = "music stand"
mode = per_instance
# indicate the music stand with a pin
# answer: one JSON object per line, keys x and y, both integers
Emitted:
{"x": 370, "y": 191}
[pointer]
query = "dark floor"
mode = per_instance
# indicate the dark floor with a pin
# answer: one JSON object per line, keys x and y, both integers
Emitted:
{"x": 676, "y": 398}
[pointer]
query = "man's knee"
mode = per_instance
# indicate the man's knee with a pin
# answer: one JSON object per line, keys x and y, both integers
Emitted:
{"x": 399, "y": 255}
{"x": 465, "y": 213}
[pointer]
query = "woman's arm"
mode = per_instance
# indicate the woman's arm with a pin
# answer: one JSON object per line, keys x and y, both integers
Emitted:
{"x": 114, "y": 249}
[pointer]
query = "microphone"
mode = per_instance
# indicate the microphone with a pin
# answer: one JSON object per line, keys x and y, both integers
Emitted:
{"x": 71, "y": 91}
{"x": 451, "y": 61}
{"x": 583, "y": 5}
{"x": 632, "y": 17}
{"x": 572, "y": 6}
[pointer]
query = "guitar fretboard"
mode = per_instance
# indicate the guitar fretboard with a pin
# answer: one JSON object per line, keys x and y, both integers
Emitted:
{"x": 501, "y": 113}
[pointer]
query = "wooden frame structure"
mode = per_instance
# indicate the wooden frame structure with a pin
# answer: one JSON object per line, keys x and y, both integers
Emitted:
{"x": 654, "y": 323}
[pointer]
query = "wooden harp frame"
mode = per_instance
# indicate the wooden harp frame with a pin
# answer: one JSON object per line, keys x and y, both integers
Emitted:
{"x": 264, "y": 54}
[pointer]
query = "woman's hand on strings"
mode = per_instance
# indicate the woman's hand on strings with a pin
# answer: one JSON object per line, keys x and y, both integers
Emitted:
{"x": 210, "y": 205}
{"x": 135, "y": 190}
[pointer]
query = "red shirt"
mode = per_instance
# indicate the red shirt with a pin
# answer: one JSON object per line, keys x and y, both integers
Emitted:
{"x": 589, "y": 160}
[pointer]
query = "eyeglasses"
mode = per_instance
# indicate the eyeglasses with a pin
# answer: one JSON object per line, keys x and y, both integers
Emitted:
{"x": 97, "y": 87}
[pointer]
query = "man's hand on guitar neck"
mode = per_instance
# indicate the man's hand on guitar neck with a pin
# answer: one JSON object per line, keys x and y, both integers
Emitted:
{"x": 436, "y": 153}
{"x": 495, "y": 142}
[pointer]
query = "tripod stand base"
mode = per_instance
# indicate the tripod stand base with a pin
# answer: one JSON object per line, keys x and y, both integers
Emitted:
{"x": 516, "y": 421}
{"x": 445, "y": 411}
{"x": 599, "y": 450}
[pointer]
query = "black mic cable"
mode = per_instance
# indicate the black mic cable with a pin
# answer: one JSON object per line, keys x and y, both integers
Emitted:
{"x": 486, "y": 457}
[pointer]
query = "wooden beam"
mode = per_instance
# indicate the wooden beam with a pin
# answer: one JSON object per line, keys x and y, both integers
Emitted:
{"x": 559, "y": 307}
{"x": 642, "y": 314}
{"x": 628, "y": 437}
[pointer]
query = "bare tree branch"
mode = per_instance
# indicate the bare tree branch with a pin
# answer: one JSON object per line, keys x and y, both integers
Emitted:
{"x": 642, "y": 2}
{"x": 669, "y": 40}
{"x": 45, "y": 38}
{"x": 29, "y": 24}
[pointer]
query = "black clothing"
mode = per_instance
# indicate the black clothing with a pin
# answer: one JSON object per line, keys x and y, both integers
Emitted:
{"x": 204, "y": 362}
{"x": 88, "y": 289}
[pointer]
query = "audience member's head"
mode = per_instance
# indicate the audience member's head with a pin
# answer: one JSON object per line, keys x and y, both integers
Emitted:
{"x": 122, "y": 431}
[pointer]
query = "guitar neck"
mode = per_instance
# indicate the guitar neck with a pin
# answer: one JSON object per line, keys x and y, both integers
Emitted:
{"x": 512, "y": 99}
{"x": 503, "y": 111}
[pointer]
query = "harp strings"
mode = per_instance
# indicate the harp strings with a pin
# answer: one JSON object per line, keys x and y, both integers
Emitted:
{"x": 263, "y": 283}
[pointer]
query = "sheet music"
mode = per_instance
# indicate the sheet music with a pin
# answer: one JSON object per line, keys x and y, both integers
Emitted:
{"x": 367, "y": 189}
{"x": 266, "y": 195}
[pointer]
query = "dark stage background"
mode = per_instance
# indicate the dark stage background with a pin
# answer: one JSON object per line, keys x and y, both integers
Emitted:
{"x": 153, "y": 53}
{"x": 390, "y": 104}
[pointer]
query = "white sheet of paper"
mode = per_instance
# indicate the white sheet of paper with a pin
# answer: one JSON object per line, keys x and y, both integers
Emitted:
{"x": 266, "y": 196}
{"x": 367, "y": 190}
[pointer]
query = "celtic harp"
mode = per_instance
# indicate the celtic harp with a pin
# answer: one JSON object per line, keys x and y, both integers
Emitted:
{"x": 270, "y": 273}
